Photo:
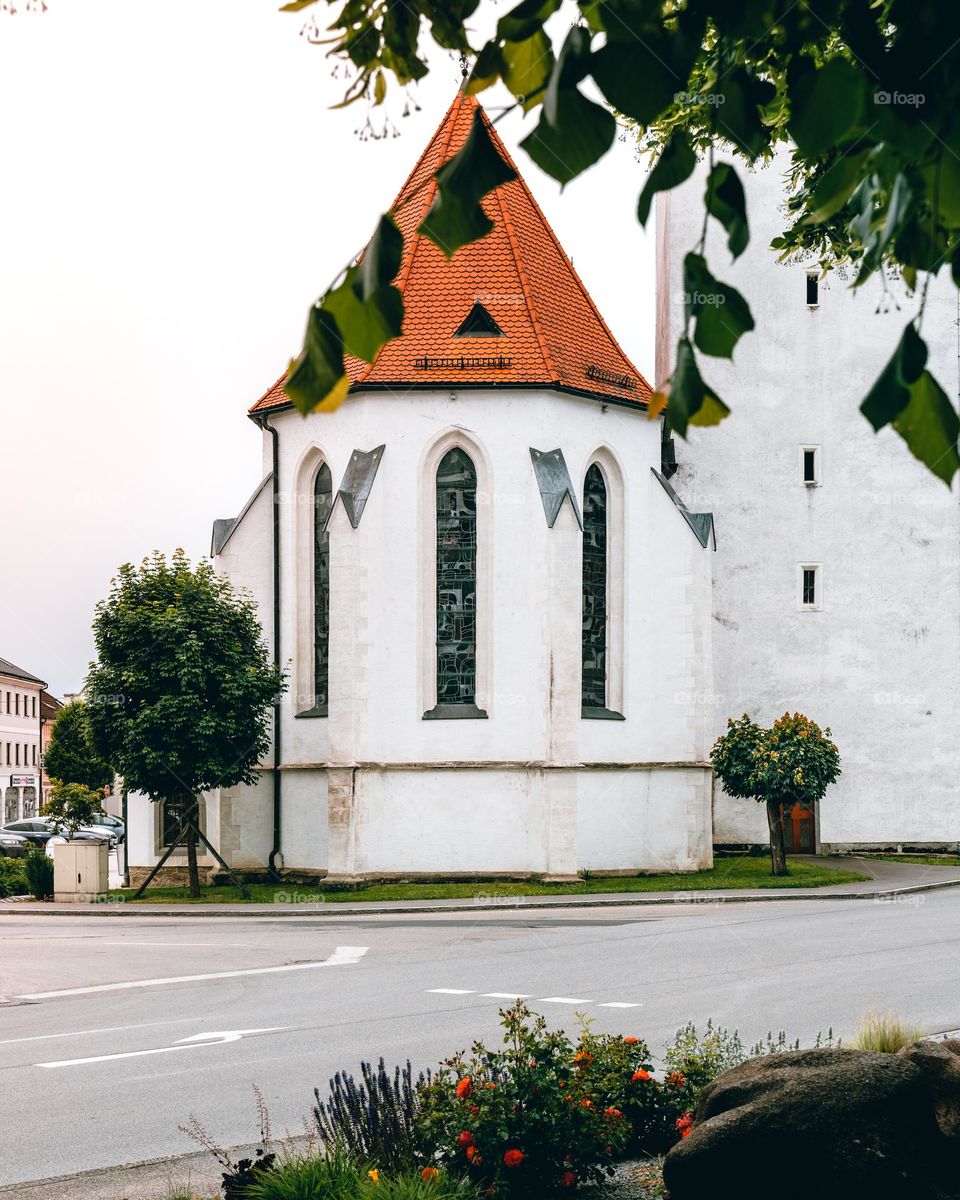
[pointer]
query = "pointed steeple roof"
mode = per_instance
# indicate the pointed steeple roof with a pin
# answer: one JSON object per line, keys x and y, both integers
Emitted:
{"x": 552, "y": 334}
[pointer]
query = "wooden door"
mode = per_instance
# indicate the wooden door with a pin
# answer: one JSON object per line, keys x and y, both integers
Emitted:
{"x": 799, "y": 829}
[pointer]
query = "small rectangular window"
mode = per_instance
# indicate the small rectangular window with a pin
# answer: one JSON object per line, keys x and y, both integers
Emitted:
{"x": 33, "y": 706}
{"x": 810, "y": 586}
{"x": 8, "y": 754}
{"x": 16, "y": 751}
{"x": 810, "y": 465}
{"x": 33, "y": 755}
{"x": 16, "y": 704}
{"x": 8, "y": 702}
{"x": 813, "y": 289}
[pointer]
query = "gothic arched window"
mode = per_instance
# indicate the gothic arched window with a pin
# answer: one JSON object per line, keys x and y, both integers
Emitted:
{"x": 456, "y": 580}
{"x": 322, "y": 503}
{"x": 593, "y": 689}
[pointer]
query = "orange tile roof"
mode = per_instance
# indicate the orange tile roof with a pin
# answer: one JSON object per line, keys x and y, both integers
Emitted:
{"x": 553, "y": 335}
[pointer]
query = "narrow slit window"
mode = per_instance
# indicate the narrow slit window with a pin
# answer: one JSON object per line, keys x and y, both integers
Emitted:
{"x": 810, "y": 587}
{"x": 322, "y": 503}
{"x": 456, "y": 580}
{"x": 811, "y": 473}
{"x": 593, "y": 690}
{"x": 813, "y": 289}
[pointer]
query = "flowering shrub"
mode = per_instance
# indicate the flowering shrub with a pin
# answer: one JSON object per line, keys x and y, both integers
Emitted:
{"x": 536, "y": 1118}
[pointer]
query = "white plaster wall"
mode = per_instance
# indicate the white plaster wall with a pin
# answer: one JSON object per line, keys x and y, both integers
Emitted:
{"x": 880, "y": 663}
{"x": 644, "y": 820}
{"x": 143, "y": 827}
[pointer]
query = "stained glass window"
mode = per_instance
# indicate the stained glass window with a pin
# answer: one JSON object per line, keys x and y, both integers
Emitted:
{"x": 594, "y": 645}
{"x": 456, "y": 579}
{"x": 322, "y": 503}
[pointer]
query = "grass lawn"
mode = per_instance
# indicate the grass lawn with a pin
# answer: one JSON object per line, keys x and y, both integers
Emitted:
{"x": 728, "y": 873}
{"x": 923, "y": 860}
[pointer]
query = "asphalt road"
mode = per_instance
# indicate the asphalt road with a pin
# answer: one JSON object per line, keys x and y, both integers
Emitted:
{"x": 114, "y": 1031}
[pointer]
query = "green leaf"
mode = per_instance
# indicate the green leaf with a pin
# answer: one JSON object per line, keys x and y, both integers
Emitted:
{"x": 525, "y": 20}
{"x": 675, "y": 164}
{"x": 381, "y": 259}
{"x": 890, "y": 395}
{"x": 317, "y": 379}
{"x": 721, "y": 314}
{"x": 836, "y": 186}
{"x": 297, "y": 5}
{"x": 738, "y": 118}
{"x": 455, "y": 218}
{"x": 364, "y": 324}
{"x": 827, "y": 105}
{"x": 690, "y": 396}
{"x": 486, "y": 69}
{"x": 725, "y": 201}
{"x": 572, "y": 65}
{"x": 635, "y": 79}
{"x": 527, "y": 65}
{"x": 583, "y": 132}
{"x": 930, "y": 427}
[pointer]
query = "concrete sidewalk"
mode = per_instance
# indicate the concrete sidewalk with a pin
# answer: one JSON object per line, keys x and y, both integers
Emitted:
{"x": 888, "y": 881}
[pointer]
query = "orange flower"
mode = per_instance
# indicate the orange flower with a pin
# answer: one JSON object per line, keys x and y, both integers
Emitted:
{"x": 614, "y": 1114}
{"x": 513, "y": 1158}
{"x": 586, "y": 1102}
{"x": 583, "y": 1058}
{"x": 474, "y": 1109}
{"x": 675, "y": 1079}
{"x": 374, "y": 1175}
{"x": 428, "y": 1174}
{"x": 471, "y": 1153}
{"x": 567, "y": 1179}
{"x": 490, "y": 1086}
{"x": 465, "y": 1138}
{"x": 641, "y": 1075}
{"x": 463, "y": 1087}
{"x": 631, "y": 1041}
{"x": 683, "y": 1124}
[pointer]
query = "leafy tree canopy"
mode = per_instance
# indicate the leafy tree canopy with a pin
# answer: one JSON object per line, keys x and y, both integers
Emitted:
{"x": 70, "y": 757}
{"x": 865, "y": 91}
{"x": 179, "y": 696}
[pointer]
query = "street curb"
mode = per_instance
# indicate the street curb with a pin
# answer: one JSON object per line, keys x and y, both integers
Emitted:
{"x": 403, "y": 907}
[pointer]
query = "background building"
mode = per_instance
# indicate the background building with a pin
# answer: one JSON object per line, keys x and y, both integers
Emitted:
{"x": 20, "y": 740}
{"x": 837, "y": 573}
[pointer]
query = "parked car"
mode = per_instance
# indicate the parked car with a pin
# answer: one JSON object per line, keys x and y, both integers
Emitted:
{"x": 108, "y": 821}
{"x": 39, "y": 830}
{"x": 82, "y": 835}
{"x": 13, "y": 845}
{"x": 36, "y": 830}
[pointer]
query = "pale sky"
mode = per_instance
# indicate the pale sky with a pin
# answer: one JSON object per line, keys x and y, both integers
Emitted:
{"x": 176, "y": 192}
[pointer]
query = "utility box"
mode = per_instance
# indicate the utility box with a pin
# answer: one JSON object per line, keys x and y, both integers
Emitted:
{"x": 80, "y": 872}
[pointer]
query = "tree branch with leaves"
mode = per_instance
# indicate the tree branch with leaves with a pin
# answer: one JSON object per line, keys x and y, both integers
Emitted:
{"x": 866, "y": 92}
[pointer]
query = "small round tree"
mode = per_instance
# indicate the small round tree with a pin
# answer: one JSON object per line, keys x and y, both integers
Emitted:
{"x": 179, "y": 696}
{"x": 70, "y": 757}
{"x": 792, "y": 762}
{"x": 70, "y": 806}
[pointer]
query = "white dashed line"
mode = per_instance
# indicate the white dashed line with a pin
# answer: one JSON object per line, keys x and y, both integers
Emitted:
{"x": 452, "y": 991}
{"x": 618, "y": 1004}
{"x": 562, "y": 1000}
{"x": 507, "y": 995}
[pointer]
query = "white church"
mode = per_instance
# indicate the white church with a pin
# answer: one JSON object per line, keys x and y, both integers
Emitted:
{"x": 511, "y": 643}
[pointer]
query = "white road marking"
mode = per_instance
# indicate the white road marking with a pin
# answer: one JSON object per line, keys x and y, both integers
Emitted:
{"x": 43, "y": 1037}
{"x": 342, "y": 956}
{"x": 618, "y": 1004}
{"x": 194, "y": 1042}
{"x": 562, "y": 1000}
{"x": 452, "y": 991}
{"x": 508, "y": 995}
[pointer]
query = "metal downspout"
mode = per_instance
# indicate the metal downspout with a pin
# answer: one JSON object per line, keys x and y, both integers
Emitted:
{"x": 263, "y": 422}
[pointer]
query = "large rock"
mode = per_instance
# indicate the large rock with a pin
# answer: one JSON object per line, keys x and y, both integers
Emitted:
{"x": 827, "y": 1125}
